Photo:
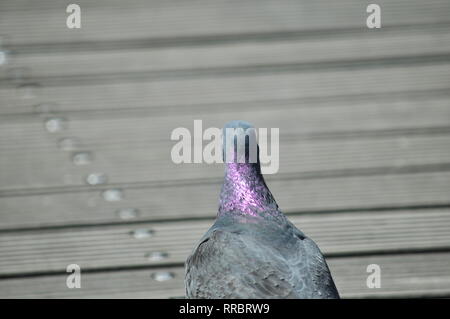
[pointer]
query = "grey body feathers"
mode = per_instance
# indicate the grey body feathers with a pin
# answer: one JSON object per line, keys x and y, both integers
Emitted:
{"x": 257, "y": 258}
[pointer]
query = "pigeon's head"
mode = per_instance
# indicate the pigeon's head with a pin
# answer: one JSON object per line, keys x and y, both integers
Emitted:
{"x": 239, "y": 143}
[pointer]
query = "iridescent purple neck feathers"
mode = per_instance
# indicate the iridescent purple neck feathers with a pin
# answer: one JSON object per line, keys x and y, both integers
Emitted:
{"x": 244, "y": 191}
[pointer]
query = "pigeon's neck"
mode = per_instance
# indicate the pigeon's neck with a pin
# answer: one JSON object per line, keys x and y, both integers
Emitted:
{"x": 244, "y": 191}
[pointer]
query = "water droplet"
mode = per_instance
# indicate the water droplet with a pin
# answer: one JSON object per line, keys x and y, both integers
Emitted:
{"x": 142, "y": 233}
{"x": 69, "y": 143}
{"x": 82, "y": 158}
{"x": 28, "y": 90}
{"x": 112, "y": 195}
{"x": 96, "y": 179}
{"x": 157, "y": 256}
{"x": 127, "y": 213}
{"x": 4, "y": 51}
{"x": 162, "y": 276}
{"x": 3, "y": 57}
{"x": 55, "y": 124}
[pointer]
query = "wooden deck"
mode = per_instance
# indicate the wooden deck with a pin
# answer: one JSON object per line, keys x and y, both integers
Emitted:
{"x": 364, "y": 118}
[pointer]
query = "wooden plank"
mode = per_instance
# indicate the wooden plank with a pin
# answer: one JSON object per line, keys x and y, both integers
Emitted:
{"x": 68, "y": 206}
{"x": 135, "y": 145}
{"x": 116, "y": 246}
{"x": 127, "y": 156}
{"x": 26, "y": 23}
{"x": 401, "y": 276}
{"x": 414, "y": 275}
{"x": 211, "y": 60}
{"x": 385, "y": 43}
{"x": 249, "y": 86}
{"x": 303, "y": 117}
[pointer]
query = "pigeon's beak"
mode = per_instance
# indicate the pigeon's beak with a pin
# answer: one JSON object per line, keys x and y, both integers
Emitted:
{"x": 239, "y": 143}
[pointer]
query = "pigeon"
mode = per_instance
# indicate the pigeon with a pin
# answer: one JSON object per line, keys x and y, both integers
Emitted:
{"x": 252, "y": 251}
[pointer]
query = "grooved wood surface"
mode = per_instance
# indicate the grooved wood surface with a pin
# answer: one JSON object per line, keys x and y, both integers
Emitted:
{"x": 116, "y": 246}
{"x": 416, "y": 275}
{"x": 364, "y": 119}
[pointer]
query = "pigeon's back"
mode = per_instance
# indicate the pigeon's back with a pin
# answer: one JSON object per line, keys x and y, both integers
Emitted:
{"x": 249, "y": 258}
{"x": 252, "y": 250}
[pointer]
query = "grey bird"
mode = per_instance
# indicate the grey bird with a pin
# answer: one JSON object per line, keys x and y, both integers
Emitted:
{"x": 252, "y": 250}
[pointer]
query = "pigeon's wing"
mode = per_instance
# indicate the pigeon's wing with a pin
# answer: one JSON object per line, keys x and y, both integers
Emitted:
{"x": 228, "y": 265}
{"x": 313, "y": 270}
{"x": 231, "y": 265}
